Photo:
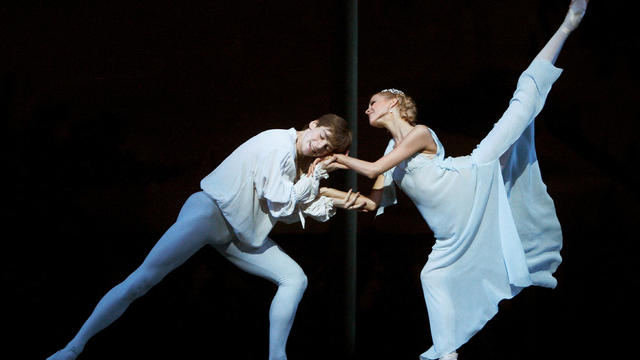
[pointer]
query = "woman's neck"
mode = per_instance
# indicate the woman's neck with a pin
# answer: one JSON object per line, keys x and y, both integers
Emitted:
{"x": 398, "y": 128}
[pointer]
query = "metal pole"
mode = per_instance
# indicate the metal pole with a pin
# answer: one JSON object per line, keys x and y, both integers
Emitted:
{"x": 351, "y": 102}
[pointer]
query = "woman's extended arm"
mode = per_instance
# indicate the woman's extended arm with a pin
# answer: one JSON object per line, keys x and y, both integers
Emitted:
{"x": 416, "y": 140}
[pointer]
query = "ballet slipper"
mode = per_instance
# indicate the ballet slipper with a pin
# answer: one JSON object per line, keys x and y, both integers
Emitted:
{"x": 68, "y": 353}
{"x": 451, "y": 356}
{"x": 574, "y": 15}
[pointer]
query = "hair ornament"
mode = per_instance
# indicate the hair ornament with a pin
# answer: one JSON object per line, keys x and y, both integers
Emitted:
{"x": 393, "y": 91}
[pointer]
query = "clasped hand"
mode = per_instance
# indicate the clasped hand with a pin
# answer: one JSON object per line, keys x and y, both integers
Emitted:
{"x": 328, "y": 162}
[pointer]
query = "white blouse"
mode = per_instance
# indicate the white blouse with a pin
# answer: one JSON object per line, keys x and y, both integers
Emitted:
{"x": 254, "y": 187}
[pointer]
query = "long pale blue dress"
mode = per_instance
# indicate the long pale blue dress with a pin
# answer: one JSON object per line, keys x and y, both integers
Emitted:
{"x": 495, "y": 225}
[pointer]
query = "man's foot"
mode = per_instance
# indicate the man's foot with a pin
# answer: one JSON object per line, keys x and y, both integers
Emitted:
{"x": 68, "y": 353}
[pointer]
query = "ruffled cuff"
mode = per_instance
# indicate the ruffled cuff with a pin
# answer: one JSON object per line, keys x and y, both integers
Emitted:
{"x": 306, "y": 188}
{"x": 321, "y": 209}
{"x": 320, "y": 172}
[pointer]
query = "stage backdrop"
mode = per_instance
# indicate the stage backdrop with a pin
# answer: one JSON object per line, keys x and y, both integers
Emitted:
{"x": 114, "y": 111}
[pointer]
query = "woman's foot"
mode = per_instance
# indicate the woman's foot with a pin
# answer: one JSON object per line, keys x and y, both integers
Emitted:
{"x": 68, "y": 353}
{"x": 574, "y": 16}
{"x": 451, "y": 356}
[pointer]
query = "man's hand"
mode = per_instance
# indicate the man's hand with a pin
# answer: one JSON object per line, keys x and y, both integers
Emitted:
{"x": 327, "y": 162}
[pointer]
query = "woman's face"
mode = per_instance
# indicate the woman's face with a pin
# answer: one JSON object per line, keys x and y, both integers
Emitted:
{"x": 315, "y": 141}
{"x": 379, "y": 105}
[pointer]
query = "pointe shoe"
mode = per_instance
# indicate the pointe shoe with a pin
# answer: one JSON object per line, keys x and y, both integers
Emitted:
{"x": 451, "y": 356}
{"x": 574, "y": 16}
{"x": 68, "y": 353}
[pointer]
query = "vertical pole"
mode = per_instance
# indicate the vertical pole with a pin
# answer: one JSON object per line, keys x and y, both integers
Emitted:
{"x": 351, "y": 102}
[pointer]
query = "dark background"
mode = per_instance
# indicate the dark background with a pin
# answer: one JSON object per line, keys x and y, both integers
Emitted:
{"x": 113, "y": 112}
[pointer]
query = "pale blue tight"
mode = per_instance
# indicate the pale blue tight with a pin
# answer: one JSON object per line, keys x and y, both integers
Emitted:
{"x": 201, "y": 223}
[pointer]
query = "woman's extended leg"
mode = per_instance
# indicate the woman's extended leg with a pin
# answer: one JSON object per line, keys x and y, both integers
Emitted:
{"x": 530, "y": 95}
{"x": 571, "y": 21}
{"x": 270, "y": 262}
{"x": 194, "y": 228}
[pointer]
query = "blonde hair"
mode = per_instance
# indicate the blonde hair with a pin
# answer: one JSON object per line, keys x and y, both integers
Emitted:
{"x": 406, "y": 106}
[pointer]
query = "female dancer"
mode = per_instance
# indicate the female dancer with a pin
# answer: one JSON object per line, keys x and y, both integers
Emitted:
{"x": 495, "y": 225}
{"x": 259, "y": 184}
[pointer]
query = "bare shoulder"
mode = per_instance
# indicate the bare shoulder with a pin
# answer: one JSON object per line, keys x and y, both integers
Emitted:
{"x": 424, "y": 132}
{"x": 422, "y": 129}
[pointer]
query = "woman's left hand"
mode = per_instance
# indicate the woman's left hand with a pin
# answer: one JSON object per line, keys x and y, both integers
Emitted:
{"x": 350, "y": 202}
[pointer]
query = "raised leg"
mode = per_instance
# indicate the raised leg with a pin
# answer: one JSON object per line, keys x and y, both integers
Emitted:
{"x": 552, "y": 48}
{"x": 530, "y": 95}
